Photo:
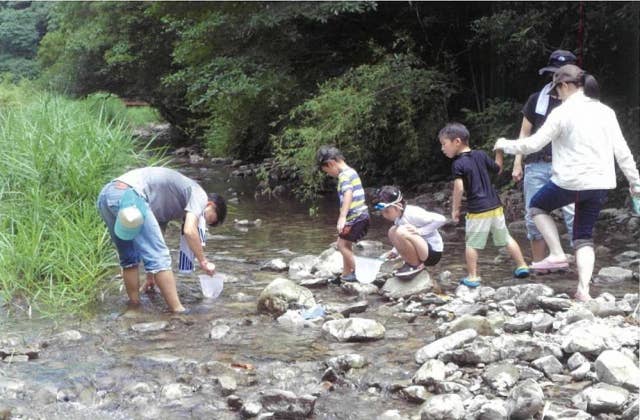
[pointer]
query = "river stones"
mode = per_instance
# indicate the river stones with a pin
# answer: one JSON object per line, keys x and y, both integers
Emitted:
{"x": 450, "y": 342}
{"x": 442, "y": 407}
{"x": 601, "y": 398}
{"x": 395, "y": 288}
{"x": 280, "y": 294}
{"x": 525, "y": 400}
{"x": 287, "y": 405}
{"x": 354, "y": 329}
{"x": 615, "y": 368}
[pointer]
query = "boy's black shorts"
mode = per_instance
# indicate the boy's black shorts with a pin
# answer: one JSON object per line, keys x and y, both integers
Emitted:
{"x": 356, "y": 231}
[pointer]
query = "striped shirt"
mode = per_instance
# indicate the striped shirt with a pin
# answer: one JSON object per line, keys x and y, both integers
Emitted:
{"x": 348, "y": 180}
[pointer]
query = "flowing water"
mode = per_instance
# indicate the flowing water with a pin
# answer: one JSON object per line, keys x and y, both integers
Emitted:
{"x": 94, "y": 377}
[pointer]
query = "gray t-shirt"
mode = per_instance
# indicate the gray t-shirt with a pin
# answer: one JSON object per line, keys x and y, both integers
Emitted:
{"x": 169, "y": 193}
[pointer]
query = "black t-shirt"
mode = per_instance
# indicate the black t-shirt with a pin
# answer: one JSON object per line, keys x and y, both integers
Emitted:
{"x": 473, "y": 167}
{"x": 536, "y": 120}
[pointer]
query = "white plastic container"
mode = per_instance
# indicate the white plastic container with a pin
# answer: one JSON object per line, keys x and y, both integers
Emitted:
{"x": 367, "y": 268}
{"x": 211, "y": 285}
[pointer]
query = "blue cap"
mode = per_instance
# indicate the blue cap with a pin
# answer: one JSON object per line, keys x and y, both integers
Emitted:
{"x": 131, "y": 215}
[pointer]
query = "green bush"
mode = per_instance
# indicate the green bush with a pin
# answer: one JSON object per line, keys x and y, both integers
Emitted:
{"x": 57, "y": 154}
{"x": 384, "y": 117}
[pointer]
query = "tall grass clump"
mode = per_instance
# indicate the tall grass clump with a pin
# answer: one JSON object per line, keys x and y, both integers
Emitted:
{"x": 56, "y": 154}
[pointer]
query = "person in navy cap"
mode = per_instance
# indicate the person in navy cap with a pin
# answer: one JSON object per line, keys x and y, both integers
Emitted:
{"x": 537, "y": 166}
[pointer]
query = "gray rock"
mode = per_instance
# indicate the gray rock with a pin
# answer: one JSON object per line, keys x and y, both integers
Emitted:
{"x": 472, "y": 354}
{"x": 524, "y": 295}
{"x": 149, "y": 326}
{"x": 614, "y": 368}
{"x": 430, "y": 372}
{"x": 508, "y": 307}
{"x": 614, "y": 275}
{"x": 359, "y": 289}
{"x": 501, "y": 376}
{"x": 395, "y": 288}
{"x": 287, "y": 405}
{"x": 228, "y": 384}
{"x": 276, "y": 265}
{"x": 527, "y": 372}
{"x": 457, "y": 308}
{"x": 555, "y": 412}
{"x": 250, "y": 409}
{"x": 329, "y": 263}
{"x": 541, "y": 322}
{"x": 601, "y": 398}
{"x": 450, "y": 342}
{"x": 475, "y": 322}
{"x": 450, "y": 387}
{"x": 219, "y": 331}
{"x": 495, "y": 409}
{"x": 524, "y": 347}
{"x": 520, "y": 323}
{"x": 554, "y": 304}
{"x": 392, "y": 415}
{"x": 467, "y": 294}
{"x": 606, "y": 308}
{"x": 627, "y": 256}
{"x": 70, "y": 335}
{"x": 593, "y": 337}
{"x": 581, "y": 372}
{"x": 548, "y": 364}
{"x": 349, "y": 308}
{"x": 525, "y": 400}
{"x": 442, "y": 407}
{"x": 632, "y": 411}
{"x": 576, "y": 360}
{"x": 354, "y": 329}
{"x": 415, "y": 393}
{"x": 174, "y": 391}
{"x": 282, "y": 293}
{"x": 302, "y": 267}
{"x": 345, "y": 362}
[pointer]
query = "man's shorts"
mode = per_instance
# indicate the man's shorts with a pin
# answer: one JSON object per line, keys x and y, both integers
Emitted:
{"x": 480, "y": 225}
{"x": 355, "y": 231}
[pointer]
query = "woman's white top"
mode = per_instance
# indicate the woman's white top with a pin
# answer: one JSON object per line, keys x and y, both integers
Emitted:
{"x": 426, "y": 223}
{"x": 586, "y": 138}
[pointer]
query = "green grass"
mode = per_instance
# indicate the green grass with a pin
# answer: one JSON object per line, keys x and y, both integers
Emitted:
{"x": 56, "y": 154}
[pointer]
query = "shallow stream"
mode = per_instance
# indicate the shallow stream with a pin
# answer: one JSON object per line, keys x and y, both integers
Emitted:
{"x": 95, "y": 376}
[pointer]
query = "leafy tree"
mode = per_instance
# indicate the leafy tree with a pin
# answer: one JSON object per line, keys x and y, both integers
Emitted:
{"x": 384, "y": 117}
{"x": 21, "y": 27}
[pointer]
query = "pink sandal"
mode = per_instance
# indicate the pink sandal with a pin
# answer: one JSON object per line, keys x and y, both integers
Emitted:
{"x": 546, "y": 265}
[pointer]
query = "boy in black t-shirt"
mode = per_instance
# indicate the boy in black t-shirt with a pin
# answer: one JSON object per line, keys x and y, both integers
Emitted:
{"x": 485, "y": 214}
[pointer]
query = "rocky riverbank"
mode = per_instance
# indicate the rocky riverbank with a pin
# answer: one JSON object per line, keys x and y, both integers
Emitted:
{"x": 516, "y": 352}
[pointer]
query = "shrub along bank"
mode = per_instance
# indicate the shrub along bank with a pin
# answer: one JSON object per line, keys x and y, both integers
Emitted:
{"x": 56, "y": 155}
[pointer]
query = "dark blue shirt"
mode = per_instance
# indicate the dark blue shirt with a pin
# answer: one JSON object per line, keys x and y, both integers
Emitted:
{"x": 536, "y": 120}
{"x": 473, "y": 167}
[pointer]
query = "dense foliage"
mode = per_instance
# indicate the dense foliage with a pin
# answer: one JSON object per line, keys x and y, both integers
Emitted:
{"x": 22, "y": 25}
{"x": 254, "y": 79}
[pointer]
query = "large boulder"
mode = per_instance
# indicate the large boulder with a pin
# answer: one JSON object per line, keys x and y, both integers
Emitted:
{"x": 614, "y": 368}
{"x": 281, "y": 294}
{"x": 396, "y": 288}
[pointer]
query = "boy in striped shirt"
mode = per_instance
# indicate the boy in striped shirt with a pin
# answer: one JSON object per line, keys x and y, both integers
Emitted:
{"x": 353, "y": 221}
